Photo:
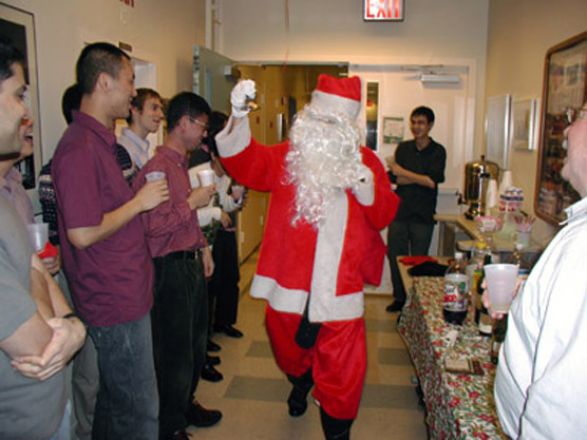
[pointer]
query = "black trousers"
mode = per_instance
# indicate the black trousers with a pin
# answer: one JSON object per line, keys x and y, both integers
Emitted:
{"x": 223, "y": 286}
{"x": 179, "y": 321}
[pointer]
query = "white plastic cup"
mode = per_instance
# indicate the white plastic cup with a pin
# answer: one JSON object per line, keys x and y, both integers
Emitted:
{"x": 501, "y": 285}
{"x": 39, "y": 235}
{"x": 238, "y": 191}
{"x": 206, "y": 177}
{"x": 524, "y": 238}
{"x": 154, "y": 176}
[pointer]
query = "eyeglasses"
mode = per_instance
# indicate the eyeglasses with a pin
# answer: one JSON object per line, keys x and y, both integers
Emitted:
{"x": 200, "y": 123}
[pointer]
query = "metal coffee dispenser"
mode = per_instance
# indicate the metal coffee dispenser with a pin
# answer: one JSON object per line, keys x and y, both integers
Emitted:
{"x": 478, "y": 173}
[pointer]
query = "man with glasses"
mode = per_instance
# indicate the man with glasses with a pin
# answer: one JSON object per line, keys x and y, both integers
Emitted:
{"x": 182, "y": 261}
{"x": 541, "y": 381}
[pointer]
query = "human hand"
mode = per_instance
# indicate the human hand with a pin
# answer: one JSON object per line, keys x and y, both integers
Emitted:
{"x": 487, "y": 301}
{"x": 241, "y": 93}
{"x": 152, "y": 194}
{"x": 52, "y": 264}
{"x": 201, "y": 196}
{"x": 225, "y": 220}
{"x": 68, "y": 337}
{"x": 208, "y": 262}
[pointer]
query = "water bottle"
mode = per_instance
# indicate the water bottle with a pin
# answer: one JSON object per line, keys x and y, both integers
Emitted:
{"x": 456, "y": 288}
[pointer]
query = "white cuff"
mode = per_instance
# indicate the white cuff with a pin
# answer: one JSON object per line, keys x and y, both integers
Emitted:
{"x": 234, "y": 138}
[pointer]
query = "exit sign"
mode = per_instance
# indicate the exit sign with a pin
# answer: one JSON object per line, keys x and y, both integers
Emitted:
{"x": 383, "y": 10}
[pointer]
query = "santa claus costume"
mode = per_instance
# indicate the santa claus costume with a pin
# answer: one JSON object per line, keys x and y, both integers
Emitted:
{"x": 329, "y": 200}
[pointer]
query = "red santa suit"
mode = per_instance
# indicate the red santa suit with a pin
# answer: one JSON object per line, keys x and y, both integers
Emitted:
{"x": 322, "y": 266}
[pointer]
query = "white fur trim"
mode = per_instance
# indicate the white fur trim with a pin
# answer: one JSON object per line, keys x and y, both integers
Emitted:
{"x": 325, "y": 305}
{"x": 279, "y": 297}
{"x": 329, "y": 103}
{"x": 365, "y": 189}
{"x": 234, "y": 138}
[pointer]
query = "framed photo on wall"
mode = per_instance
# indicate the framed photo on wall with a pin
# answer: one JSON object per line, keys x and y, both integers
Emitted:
{"x": 523, "y": 126}
{"x": 18, "y": 27}
{"x": 564, "y": 91}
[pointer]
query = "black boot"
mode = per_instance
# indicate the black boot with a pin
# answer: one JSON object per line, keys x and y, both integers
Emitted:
{"x": 297, "y": 401}
{"x": 335, "y": 429}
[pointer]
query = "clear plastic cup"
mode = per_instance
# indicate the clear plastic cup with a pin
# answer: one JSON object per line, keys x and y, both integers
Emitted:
{"x": 237, "y": 191}
{"x": 39, "y": 235}
{"x": 206, "y": 177}
{"x": 154, "y": 176}
{"x": 501, "y": 285}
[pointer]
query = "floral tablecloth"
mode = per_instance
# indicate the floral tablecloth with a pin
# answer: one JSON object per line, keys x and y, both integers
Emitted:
{"x": 459, "y": 406}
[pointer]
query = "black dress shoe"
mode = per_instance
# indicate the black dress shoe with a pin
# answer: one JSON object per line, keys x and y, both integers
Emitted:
{"x": 213, "y": 346}
{"x": 201, "y": 417}
{"x": 228, "y": 330}
{"x": 212, "y": 360}
{"x": 180, "y": 435}
{"x": 211, "y": 374}
{"x": 395, "y": 306}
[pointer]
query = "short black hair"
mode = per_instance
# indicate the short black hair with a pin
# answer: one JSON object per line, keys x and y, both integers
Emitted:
{"x": 70, "y": 101}
{"x": 215, "y": 125}
{"x": 97, "y": 58}
{"x": 185, "y": 103}
{"x": 9, "y": 55}
{"x": 138, "y": 101}
{"x": 423, "y": 111}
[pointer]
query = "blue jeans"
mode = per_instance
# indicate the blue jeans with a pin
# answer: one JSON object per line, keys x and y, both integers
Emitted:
{"x": 405, "y": 238}
{"x": 127, "y": 406}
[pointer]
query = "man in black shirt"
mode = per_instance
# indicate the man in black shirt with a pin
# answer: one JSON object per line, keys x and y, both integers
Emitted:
{"x": 417, "y": 168}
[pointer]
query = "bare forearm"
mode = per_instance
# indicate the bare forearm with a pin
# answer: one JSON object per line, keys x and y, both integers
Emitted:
{"x": 111, "y": 222}
{"x": 40, "y": 294}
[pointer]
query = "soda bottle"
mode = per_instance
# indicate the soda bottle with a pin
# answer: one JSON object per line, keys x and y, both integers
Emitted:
{"x": 456, "y": 288}
{"x": 482, "y": 317}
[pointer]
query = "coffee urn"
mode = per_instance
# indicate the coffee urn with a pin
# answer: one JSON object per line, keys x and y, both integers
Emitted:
{"x": 478, "y": 173}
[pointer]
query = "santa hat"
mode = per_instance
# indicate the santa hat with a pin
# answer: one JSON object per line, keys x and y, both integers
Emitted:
{"x": 337, "y": 95}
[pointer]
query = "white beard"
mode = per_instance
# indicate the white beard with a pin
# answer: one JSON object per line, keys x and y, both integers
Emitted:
{"x": 324, "y": 158}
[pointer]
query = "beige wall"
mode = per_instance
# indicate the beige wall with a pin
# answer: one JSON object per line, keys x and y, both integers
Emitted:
{"x": 161, "y": 32}
{"x": 450, "y": 32}
{"x": 520, "y": 33}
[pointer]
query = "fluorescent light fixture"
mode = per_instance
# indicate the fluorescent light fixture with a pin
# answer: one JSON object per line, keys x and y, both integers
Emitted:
{"x": 439, "y": 78}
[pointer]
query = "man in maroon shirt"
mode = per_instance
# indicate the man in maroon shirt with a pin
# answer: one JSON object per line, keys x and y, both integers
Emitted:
{"x": 104, "y": 249}
{"x": 182, "y": 261}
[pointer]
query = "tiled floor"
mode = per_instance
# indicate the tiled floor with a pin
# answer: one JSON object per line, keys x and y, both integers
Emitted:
{"x": 253, "y": 393}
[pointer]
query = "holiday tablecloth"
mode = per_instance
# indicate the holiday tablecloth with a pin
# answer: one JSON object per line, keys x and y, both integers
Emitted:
{"x": 459, "y": 406}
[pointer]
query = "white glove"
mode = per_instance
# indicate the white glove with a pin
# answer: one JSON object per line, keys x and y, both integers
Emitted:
{"x": 364, "y": 189}
{"x": 241, "y": 93}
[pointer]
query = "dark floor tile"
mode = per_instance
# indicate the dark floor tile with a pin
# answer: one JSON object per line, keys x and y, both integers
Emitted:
{"x": 260, "y": 349}
{"x": 255, "y": 388}
{"x": 393, "y": 356}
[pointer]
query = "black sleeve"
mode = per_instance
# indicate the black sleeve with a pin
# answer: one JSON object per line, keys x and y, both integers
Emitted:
{"x": 436, "y": 170}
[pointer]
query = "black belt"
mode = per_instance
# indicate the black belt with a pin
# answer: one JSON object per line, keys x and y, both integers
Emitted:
{"x": 183, "y": 255}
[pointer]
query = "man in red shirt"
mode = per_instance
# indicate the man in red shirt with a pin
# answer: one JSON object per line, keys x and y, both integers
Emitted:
{"x": 182, "y": 261}
{"x": 104, "y": 249}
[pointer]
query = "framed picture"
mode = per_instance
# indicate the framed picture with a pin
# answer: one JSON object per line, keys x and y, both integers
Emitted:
{"x": 393, "y": 129}
{"x": 564, "y": 90}
{"x": 18, "y": 27}
{"x": 523, "y": 125}
{"x": 497, "y": 130}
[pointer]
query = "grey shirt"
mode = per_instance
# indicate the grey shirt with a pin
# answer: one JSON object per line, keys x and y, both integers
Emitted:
{"x": 29, "y": 409}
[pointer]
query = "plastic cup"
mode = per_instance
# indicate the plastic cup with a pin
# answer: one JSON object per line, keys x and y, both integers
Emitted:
{"x": 523, "y": 238}
{"x": 238, "y": 191}
{"x": 154, "y": 176}
{"x": 39, "y": 235}
{"x": 501, "y": 284}
{"x": 206, "y": 177}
